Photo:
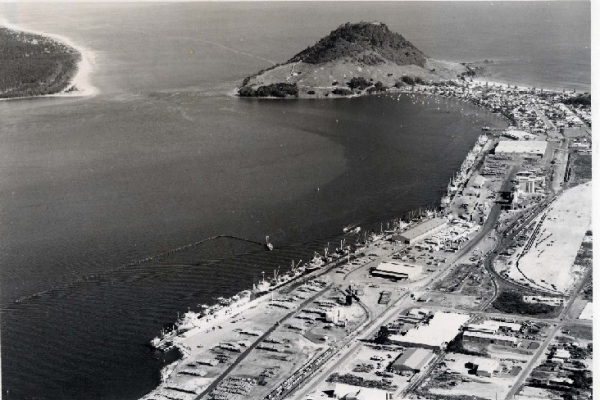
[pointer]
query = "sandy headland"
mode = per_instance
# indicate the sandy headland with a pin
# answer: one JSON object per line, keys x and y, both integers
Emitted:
{"x": 80, "y": 84}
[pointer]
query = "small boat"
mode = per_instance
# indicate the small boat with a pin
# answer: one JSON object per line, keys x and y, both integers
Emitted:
{"x": 351, "y": 228}
{"x": 268, "y": 244}
{"x": 486, "y": 128}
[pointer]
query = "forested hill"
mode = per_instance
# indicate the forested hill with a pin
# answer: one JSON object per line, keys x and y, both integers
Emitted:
{"x": 34, "y": 65}
{"x": 367, "y": 42}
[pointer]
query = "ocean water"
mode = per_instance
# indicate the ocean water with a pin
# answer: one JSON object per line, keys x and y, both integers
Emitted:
{"x": 164, "y": 157}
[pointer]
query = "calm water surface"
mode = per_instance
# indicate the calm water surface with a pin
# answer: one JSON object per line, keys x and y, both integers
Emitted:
{"x": 164, "y": 157}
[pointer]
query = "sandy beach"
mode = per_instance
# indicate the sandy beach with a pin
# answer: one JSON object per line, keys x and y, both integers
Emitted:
{"x": 81, "y": 81}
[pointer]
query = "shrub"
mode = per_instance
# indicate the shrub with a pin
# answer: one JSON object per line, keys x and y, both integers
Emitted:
{"x": 341, "y": 92}
{"x": 359, "y": 83}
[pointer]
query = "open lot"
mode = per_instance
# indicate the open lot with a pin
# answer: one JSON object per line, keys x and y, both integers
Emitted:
{"x": 550, "y": 261}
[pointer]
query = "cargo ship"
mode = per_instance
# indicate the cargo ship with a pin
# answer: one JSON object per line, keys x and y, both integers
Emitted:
{"x": 316, "y": 262}
{"x": 192, "y": 322}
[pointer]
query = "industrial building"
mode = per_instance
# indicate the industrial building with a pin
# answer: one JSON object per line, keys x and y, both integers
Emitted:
{"x": 434, "y": 332}
{"x": 478, "y": 181}
{"x": 479, "y": 337}
{"x": 335, "y": 315}
{"x": 397, "y": 270}
{"x": 483, "y": 366}
{"x": 421, "y": 231}
{"x": 551, "y": 301}
{"x": 528, "y": 182}
{"x": 351, "y": 392}
{"x": 413, "y": 360}
{"x": 492, "y": 327}
{"x": 529, "y": 147}
{"x": 518, "y": 135}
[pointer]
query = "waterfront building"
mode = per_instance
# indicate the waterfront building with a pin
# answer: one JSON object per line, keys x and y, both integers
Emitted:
{"x": 421, "y": 231}
{"x": 518, "y": 135}
{"x": 530, "y": 147}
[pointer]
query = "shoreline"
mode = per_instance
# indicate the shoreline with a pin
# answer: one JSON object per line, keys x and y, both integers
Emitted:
{"x": 85, "y": 66}
{"x": 185, "y": 354}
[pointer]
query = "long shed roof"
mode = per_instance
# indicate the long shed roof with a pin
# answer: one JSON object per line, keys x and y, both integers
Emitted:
{"x": 423, "y": 227}
{"x": 414, "y": 358}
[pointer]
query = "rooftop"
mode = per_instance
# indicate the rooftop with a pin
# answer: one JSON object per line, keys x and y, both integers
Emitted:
{"x": 398, "y": 267}
{"x": 414, "y": 358}
{"x": 423, "y": 227}
{"x": 518, "y": 135}
{"x": 494, "y": 326}
{"x": 525, "y": 147}
{"x": 344, "y": 391}
{"x": 491, "y": 337}
{"x": 442, "y": 328}
{"x": 486, "y": 364}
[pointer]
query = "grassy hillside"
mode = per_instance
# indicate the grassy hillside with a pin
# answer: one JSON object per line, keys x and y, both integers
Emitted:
{"x": 354, "y": 59}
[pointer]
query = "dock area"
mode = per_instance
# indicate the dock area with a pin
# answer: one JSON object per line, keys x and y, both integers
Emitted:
{"x": 463, "y": 299}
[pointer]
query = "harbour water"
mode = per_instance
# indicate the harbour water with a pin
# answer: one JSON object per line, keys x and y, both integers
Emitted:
{"x": 164, "y": 157}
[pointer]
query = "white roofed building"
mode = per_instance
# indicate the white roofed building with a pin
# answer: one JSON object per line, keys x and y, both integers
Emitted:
{"x": 351, "y": 392}
{"x": 435, "y": 334}
{"x": 492, "y": 327}
{"x": 483, "y": 366}
{"x": 421, "y": 231}
{"x": 529, "y": 147}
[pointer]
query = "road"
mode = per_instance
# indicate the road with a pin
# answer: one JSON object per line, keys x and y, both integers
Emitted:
{"x": 343, "y": 351}
{"x": 558, "y": 323}
{"x": 242, "y": 356}
{"x": 347, "y": 350}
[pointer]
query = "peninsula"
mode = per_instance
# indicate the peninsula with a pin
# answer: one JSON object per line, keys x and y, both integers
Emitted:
{"x": 354, "y": 59}
{"x": 34, "y": 65}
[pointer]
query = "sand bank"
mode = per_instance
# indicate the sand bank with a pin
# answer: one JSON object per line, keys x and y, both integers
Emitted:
{"x": 81, "y": 81}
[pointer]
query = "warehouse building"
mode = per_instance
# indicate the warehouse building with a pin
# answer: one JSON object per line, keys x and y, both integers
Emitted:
{"x": 435, "y": 333}
{"x": 492, "y": 327}
{"x": 397, "y": 270}
{"x": 486, "y": 338}
{"x": 530, "y": 147}
{"x": 483, "y": 366}
{"x": 413, "y": 360}
{"x": 518, "y": 135}
{"x": 421, "y": 231}
{"x": 351, "y": 392}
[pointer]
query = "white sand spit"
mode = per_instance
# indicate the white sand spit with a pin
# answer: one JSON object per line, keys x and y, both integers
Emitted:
{"x": 81, "y": 80}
